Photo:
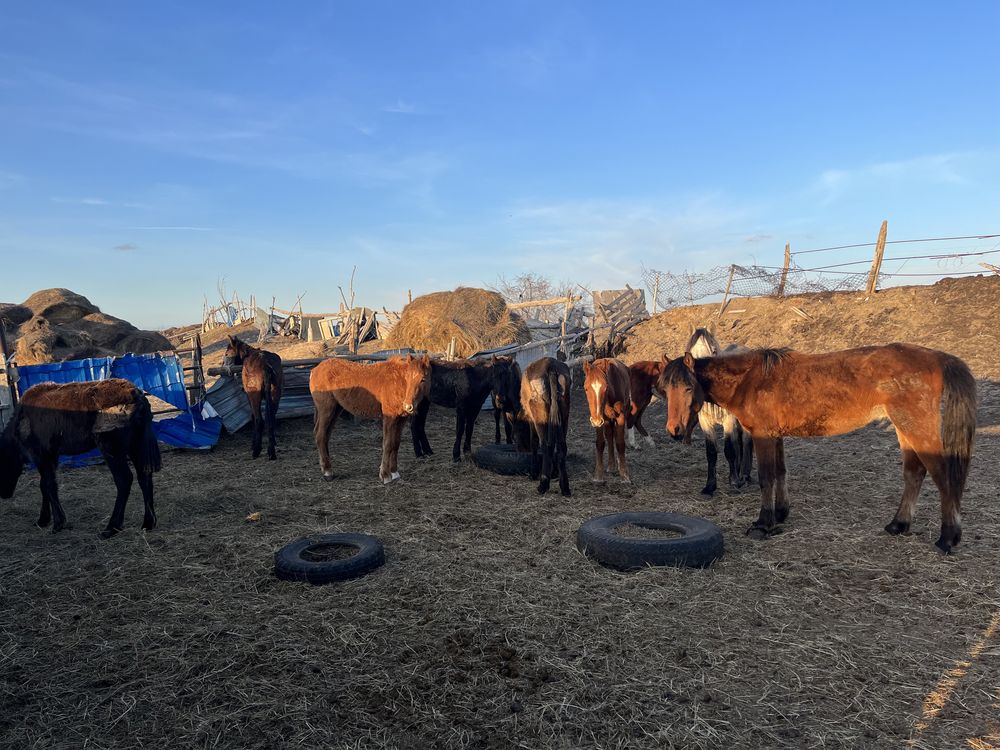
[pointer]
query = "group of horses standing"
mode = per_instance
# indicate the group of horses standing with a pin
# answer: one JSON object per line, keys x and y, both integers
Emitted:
{"x": 759, "y": 397}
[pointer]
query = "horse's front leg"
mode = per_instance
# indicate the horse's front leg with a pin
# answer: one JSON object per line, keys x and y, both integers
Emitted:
{"x": 712, "y": 454}
{"x": 731, "y": 448}
{"x": 456, "y": 449}
{"x": 471, "y": 414}
{"x": 391, "y": 429}
{"x": 600, "y": 438}
{"x": 767, "y": 450}
{"x": 781, "y": 505}
{"x": 746, "y": 456}
{"x": 395, "y": 437}
{"x": 272, "y": 424}
{"x": 619, "y": 433}
{"x": 51, "y": 509}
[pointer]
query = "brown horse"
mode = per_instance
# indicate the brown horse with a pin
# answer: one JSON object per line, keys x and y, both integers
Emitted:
{"x": 606, "y": 383}
{"x": 544, "y": 408}
{"x": 53, "y": 420}
{"x": 390, "y": 391}
{"x": 263, "y": 379}
{"x": 929, "y": 396}
{"x": 644, "y": 380}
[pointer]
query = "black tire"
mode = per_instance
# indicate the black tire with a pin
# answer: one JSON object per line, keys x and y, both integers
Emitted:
{"x": 699, "y": 546}
{"x": 292, "y": 563}
{"x": 502, "y": 458}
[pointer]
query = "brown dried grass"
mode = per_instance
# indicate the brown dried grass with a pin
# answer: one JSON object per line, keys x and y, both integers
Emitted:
{"x": 486, "y": 628}
{"x": 476, "y": 318}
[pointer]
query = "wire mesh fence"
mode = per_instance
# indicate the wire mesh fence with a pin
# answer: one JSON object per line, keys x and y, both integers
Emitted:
{"x": 943, "y": 256}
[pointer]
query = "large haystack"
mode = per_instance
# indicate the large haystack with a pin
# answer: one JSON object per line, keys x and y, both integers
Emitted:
{"x": 54, "y": 325}
{"x": 476, "y": 318}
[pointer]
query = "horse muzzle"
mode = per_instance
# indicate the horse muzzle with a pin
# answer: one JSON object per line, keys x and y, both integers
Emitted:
{"x": 596, "y": 422}
{"x": 408, "y": 408}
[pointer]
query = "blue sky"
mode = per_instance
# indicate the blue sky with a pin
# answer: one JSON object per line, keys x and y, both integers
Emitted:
{"x": 147, "y": 149}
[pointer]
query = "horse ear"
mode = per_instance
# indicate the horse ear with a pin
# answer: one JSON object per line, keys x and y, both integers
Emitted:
{"x": 689, "y": 361}
{"x": 666, "y": 358}
{"x": 409, "y": 357}
{"x": 427, "y": 359}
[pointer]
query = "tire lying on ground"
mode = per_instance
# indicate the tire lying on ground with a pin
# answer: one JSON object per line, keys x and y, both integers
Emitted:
{"x": 321, "y": 559}
{"x": 699, "y": 543}
{"x": 502, "y": 458}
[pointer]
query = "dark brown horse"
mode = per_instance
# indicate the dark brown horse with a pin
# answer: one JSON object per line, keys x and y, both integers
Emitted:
{"x": 263, "y": 380}
{"x": 53, "y": 420}
{"x": 606, "y": 383}
{"x": 506, "y": 397}
{"x": 644, "y": 382}
{"x": 390, "y": 391}
{"x": 462, "y": 385}
{"x": 544, "y": 409}
{"x": 929, "y": 396}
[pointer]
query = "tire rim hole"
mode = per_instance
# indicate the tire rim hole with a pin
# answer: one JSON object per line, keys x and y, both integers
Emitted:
{"x": 329, "y": 552}
{"x": 634, "y": 531}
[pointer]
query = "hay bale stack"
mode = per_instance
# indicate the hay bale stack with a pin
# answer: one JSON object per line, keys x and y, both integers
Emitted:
{"x": 54, "y": 325}
{"x": 476, "y": 318}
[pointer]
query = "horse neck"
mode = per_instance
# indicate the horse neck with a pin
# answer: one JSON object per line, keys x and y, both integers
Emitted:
{"x": 721, "y": 377}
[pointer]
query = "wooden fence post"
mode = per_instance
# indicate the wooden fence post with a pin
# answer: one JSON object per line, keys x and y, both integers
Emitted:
{"x": 784, "y": 270}
{"x": 877, "y": 260}
{"x": 725, "y": 296}
{"x": 656, "y": 291}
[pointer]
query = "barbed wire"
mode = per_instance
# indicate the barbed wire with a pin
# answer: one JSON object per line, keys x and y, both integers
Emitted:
{"x": 672, "y": 289}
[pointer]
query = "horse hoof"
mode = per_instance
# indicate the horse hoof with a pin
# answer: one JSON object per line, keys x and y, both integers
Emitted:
{"x": 598, "y": 480}
{"x": 109, "y": 532}
{"x": 943, "y": 545}
{"x": 626, "y": 480}
{"x": 650, "y": 442}
{"x": 395, "y": 476}
{"x": 897, "y": 527}
{"x": 327, "y": 477}
{"x": 272, "y": 457}
{"x": 566, "y": 492}
{"x": 43, "y": 522}
{"x": 456, "y": 459}
{"x": 757, "y": 533}
{"x": 708, "y": 491}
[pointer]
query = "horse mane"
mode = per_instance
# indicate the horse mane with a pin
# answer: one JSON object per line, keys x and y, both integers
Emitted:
{"x": 771, "y": 358}
{"x": 710, "y": 343}
{"x": 675, "y": 372}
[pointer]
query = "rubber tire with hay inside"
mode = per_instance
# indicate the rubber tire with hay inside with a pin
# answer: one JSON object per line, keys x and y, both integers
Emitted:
{"x": 502, "y": 458}
{"x": 301, "y": 560}
{"x": 699, "y": 545}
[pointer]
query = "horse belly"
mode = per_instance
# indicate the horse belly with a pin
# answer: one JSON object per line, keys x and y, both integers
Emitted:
{"x": 66, "y": 433}
{"x": 359, "y": 402}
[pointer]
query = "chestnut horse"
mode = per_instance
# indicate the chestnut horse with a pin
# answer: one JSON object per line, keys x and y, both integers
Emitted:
{"x": 462, "y": 385}
{"x": 606, "y": 384}
{"x": 929, "y": 396}
{"x": 544, "y": 408}
{"x": 263, "y": 379}
{"x": 737, "y": 443}
{"x": 53, "y": 420}
{"x": 390, "y": 391}
{"x": 644, "y": 380}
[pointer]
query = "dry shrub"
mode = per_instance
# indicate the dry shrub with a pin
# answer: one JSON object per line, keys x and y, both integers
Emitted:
{"x": 476, "y": 318}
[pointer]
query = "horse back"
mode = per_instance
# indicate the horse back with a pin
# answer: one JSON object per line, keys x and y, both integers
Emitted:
{"x": 365, "y": 390}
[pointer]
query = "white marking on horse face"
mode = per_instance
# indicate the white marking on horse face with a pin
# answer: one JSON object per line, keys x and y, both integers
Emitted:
{"x": 596, "y": 385}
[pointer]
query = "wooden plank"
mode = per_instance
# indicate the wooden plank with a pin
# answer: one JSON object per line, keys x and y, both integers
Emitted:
{"x": 540, "y": 303}
{"x": 784, "y": 270}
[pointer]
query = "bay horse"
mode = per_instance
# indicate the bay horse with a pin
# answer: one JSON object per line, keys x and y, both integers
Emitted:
{"x": 737, "y": 443}
{"x": 929, "y": 396}
{"x": 263, "y": 380}
{"x": 464, "y": 386}
{"x": 72, "y": 418}
{"x": 606, "y": 383}
{"x": 644, "y": 380}
{"x": 544, "y": 408}
{"x": 391, "y": 391}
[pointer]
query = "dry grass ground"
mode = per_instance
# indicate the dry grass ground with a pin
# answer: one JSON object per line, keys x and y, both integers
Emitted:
{"x": 486, "y": 628}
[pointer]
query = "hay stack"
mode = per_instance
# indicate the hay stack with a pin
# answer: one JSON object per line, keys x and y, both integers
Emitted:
{"x": 54, "y": 325}
{"x": 476, "y": 318}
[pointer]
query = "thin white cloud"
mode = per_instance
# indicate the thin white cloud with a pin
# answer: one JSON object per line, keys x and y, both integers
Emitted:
{"x": 400, "y": 107}
{"x": 944, "y": 168}
{"x": 9, "y": 180}
{"x": 178, "y": 227}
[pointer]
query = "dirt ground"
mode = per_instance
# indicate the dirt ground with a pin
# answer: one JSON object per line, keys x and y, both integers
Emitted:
{"x": 486, "y": 628}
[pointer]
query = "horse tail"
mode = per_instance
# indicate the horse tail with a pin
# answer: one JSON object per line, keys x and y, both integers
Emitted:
{"x": 150, "y": 448}
{"x": 958, "y": 421}
{"x": 268, "y": 377}
{"x": 553, "y": 435}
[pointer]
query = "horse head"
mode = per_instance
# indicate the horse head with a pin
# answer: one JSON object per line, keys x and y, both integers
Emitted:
{"x": 685, "y": 395}
{"x": 235, "y": 353}
{"x": 11, "y": 466}
{"x": 595, "y": 385}
{"x": 417, "y": 382}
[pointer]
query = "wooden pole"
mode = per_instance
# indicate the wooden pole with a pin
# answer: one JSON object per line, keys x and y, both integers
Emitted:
{"x": 784, "y": 270}
{"x": 656, "y": 291}
{"x": 729, "y": 284}
{"x": 877, "y": 260}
